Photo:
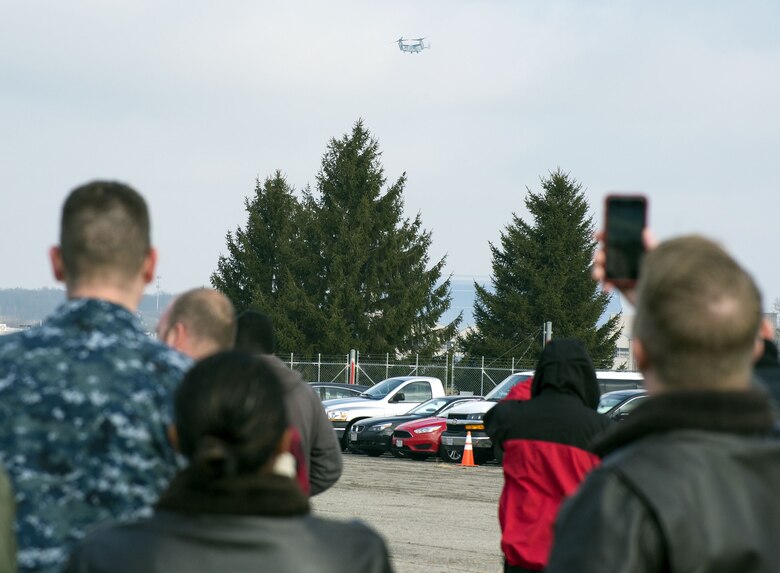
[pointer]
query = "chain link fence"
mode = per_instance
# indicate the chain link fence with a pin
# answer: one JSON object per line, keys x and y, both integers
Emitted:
{"x": 478, "y": 376}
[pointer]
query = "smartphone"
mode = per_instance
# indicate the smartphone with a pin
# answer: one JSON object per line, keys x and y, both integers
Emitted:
{"x": 626, "y": 218}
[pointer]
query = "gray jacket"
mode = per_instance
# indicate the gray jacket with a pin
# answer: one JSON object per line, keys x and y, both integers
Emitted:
{"x": 306, "y": 414}
{"x": 240, "y": 524}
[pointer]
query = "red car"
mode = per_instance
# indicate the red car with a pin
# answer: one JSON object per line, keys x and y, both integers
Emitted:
{"x": 418, "y": 439}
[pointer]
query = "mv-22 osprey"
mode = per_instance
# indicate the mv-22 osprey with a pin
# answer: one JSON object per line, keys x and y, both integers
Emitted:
{"x": 414, "y": 46}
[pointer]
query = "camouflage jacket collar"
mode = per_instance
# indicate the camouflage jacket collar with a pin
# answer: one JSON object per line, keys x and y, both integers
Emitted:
{"x": 94, "y": 314}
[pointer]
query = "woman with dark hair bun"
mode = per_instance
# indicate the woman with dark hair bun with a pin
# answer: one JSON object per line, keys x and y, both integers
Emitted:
{"x": 235, "y": 508}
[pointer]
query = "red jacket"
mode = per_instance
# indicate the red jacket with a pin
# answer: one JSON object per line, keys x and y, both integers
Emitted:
{"x": 538, "y": 475}
{"x": 546, "y": 444}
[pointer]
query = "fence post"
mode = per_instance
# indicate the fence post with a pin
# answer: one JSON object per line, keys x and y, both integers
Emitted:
{"x": 446, "y": 369}
{"x": 319, "y": 366}
{"x": 416, "y": 364}
{"x": 453, "y": 372}
{"x": 291, "y": 360}
{"x": 357, "y": 367}
{"x": 387, "y": 365}
{"x": 513, "y": 365}
{"x": 482, "y": 378}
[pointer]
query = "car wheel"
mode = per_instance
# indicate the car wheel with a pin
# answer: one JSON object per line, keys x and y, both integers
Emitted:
{"x": 397, "y": 454}
{"x": 483, "y": 457}
{"x": 374, "y": 453}
{"x": 451, "y": 455}
{"x": 418, "y": 456}
{"x": 345, "y": 438}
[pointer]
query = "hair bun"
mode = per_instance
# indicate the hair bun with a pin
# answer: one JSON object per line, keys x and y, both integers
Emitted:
{"x": 214, "y": 458}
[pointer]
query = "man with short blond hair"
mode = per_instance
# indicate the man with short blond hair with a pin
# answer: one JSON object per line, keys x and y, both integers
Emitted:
{"x": 85, "y": 398}
{"x": 199, "y": 323}
{"x": 689, "y": 481}
{"x": 698, "y": 315}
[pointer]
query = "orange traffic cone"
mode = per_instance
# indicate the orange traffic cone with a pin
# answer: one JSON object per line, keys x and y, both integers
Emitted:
{"x": 468, "y": 453}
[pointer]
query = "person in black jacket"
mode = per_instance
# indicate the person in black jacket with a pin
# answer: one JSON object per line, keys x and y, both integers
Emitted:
{"x": 546, "y": 450}
{"x": 232, "y": 509}
{"x": 688, "y": 483}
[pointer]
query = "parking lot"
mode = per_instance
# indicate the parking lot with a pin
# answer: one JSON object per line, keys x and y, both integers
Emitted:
{"x": 435, "y": 516}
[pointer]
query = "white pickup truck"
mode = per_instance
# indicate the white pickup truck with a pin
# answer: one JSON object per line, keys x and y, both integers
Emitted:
{"x": 390, "y": 397}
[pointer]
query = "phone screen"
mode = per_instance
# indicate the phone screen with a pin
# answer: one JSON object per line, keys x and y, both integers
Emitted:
{"x": 626, "y": 218}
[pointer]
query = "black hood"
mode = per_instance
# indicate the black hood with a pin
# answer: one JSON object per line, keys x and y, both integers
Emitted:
{"x": 565, "y": 367}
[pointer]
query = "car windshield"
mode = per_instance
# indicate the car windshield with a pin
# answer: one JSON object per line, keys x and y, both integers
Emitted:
{"x": 608, "y": 402}
{"x": 500, "y": 391}
{"x": 382, "y": 389}
{"x": 428, "y": 407}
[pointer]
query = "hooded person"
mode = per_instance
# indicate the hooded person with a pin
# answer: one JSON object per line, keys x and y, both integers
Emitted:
{"x": 546, "y": 450}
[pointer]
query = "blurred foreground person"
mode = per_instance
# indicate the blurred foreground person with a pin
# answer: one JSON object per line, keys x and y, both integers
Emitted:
{"x": 198, "y": 323}
{"x": 315, "y": 447}
{"x": 689, "y": 481}
{"x": 230, "y": 509}
{"x": 546, "y": 450}
{"x": 85, "y": 397}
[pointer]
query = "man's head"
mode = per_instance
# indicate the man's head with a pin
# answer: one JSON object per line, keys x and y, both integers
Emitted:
{"x": 698, "y": 316}
{"x": 104, "y": 239}
{"x": 255, "y": 333}
{"x": 199, "y": 323}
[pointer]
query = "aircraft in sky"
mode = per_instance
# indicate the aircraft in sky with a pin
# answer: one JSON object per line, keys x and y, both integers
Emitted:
{"x": 413, "y": 46}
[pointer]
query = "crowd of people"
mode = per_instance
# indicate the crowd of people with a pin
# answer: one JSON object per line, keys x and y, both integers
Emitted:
{"x": 199, "y": 450}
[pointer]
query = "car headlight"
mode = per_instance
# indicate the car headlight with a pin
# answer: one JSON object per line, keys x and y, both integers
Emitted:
{"x": 337, "y": 415}
{"x": 427, "y": 429}
{"x": 379, "y": 427}
{"x": 477, "y": 416}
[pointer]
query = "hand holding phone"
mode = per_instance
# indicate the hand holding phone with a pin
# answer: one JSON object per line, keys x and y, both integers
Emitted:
{"x": 625, "y": 220}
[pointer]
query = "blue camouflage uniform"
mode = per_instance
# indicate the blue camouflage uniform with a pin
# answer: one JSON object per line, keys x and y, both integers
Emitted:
{"x": 84, "y": 404}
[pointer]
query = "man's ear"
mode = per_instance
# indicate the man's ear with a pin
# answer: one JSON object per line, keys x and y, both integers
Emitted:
{"x": 173, "y": 437}
{"x": 58, "y": 269}
{"x": 766, "y": 331}
{"x": 150, "y": 265}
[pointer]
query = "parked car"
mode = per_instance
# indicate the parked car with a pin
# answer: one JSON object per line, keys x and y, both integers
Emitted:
{"x": 418, "y": 439}
{"x": 468, "y": 417}
{"x": 373, "y": 436}
{"x": 391, "y": 397}
{"x": 619, "y": 404}
{"x": 336, "y": 390}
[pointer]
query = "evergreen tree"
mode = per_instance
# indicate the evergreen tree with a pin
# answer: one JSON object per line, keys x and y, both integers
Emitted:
{"x": 259, "y": 271}
{"x": 343, "y": 269}
{"x": 541, "y": 272}
{"x": 375, "y": 289}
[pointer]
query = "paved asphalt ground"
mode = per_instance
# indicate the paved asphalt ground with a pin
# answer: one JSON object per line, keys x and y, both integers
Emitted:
{"x": 436, "y": 517}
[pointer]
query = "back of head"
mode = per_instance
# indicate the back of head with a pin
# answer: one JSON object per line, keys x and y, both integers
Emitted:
{"x": 208, "y": 316}
{"x": 255, "y": 333}
{"x": 230, "y": 415}
{"x": 104, "y": 232}
{"x": 698, "y": 315}
{"x": 565, "y": 367}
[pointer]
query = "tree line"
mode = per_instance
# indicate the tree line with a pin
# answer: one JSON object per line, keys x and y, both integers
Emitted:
{"x": 341, "y": 267}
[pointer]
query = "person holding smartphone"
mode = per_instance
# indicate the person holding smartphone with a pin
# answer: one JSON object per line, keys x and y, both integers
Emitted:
{"x": 688, "y": 482}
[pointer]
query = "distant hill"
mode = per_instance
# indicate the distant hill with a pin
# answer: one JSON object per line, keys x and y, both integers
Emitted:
{"x": 29, "y": 306}
{"x": 20, "y": 306}
{"x": 464, "y": 294}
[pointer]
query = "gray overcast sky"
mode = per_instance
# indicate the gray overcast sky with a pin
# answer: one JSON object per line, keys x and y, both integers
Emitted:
{"x": 191, "y": 101}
